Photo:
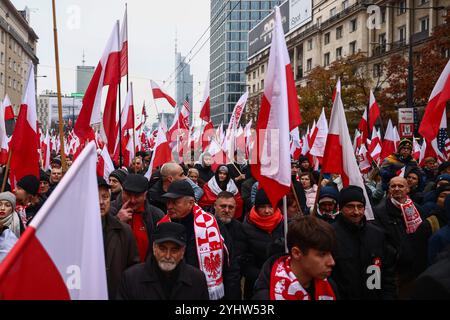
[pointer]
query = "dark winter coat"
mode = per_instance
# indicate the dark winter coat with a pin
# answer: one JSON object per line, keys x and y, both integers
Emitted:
{"x": 146, "y": 281}
{"x": 154, "y": 196}
{"x": 357, "y": 248}
{"x": 392, "y": 164}
{"x": 205, "y": 173}
{"x": 120, "y": 251}
{"x": 441, "y": 239}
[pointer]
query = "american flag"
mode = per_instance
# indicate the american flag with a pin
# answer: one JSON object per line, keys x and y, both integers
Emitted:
{"x": 444, "y": 142}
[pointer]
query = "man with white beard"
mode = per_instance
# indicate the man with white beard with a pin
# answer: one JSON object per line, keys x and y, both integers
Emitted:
{"x": 165, "y": 275}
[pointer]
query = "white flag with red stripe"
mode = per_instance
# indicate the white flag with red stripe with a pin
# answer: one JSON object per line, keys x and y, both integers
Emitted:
{"x": 339, "y": 156}
{"x": 389, "y": 143}
{"x": 161, "y": 153}
{"x": 104, "y": 164}
{"x": 124, "y": 45}
{"x": 60, "y": 256}
{"x": 279, "y": 114}
{"x": 8, "y": 108}
{"x": 4, "y": 148}
{"x": 374, "y": 111}
{"x": 205, "y": 113}
{"x": 158, "y": 93}
{"x": 318, "y": 148}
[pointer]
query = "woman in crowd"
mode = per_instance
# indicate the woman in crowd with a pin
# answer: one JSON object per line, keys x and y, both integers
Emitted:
{"x": 310, "y": 188}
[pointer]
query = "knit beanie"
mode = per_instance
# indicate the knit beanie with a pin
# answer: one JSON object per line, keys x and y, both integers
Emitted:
{"x": 119, "y": 174}
{"x": 328, "y": 193}
{"x": 261, "y": 198}
{"x": 351, "y": 193}
{"x": 30, "y": 184}
{"x": 10, "y": 197}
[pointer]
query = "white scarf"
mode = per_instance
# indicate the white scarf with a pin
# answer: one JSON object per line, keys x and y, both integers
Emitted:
{"x": 214, "y": 186}
{"x": 12, "y": 222}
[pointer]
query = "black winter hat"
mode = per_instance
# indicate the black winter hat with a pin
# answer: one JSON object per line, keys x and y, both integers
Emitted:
{"x": 179, "y": 189}
{"x": 43, "y": 176}
{"x": 120, "y": 175}
{"x": 351, "y": 193}
{"x": 445, "y": 187}
{"x": 261, "y": 198}
{"x": 443, "y": 166}
{"x": 302, "y": 159}
{"x": 135, "y": 183}
{"x": 30, "y": 184}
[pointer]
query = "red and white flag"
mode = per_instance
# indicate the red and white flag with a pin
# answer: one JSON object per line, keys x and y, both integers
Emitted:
{"x": 429, "y": 128}
{"x": 363, "y": 126}
{"x": 230, "y": 138}
{"x": 205, "y": 113}
{"x": 320, "y": 141}
{"x": 357, "y": 141}
{"x": 363, "y": 160}
{"x": 248, "y": 139}
{"x": 208, "y": 134}
{"x": 45, "y": 149}
{"x": 296, "y": 143}
{"x": 279, "y": 115}
{"x": 374, "y": 111}
{"x": 8, "y": 108}
{"x": 159, "y": 94}
{"x": 90, "y": 111}
{"x": 25, "y": 140}
{"x": 416, "y": 149}
{"x": 375, "y": 147}
{"x": 339, "y": 156}
{"x": 4, "y": 148}
{"x": 124, "y": 45}
{"x": 60, "y": 256}
{"x": 104, "y": 164}
{"x": 389, "y": 142}
{"x": 161, "y": 153}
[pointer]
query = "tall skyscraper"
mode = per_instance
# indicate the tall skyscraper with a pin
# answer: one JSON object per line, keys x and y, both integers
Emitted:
{"x": 184, "y": 82}
{"x": 230, "y": 24}
{"x": 84, "y": 76}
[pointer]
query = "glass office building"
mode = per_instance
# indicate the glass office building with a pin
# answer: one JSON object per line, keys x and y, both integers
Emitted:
{"x": 184, "y": 83}
{"x": 230, "y": 23}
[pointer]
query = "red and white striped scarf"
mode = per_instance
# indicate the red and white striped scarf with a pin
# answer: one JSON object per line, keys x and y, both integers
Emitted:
{"x": 410, "y": 214}
{"x": 284, "y": 285}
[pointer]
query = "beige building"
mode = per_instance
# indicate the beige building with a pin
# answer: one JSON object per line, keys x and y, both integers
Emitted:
{"x": 340, "y": 27}
{"x": 17, "y": 50}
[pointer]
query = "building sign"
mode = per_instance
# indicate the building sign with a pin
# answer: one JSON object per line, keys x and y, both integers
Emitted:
{"x": 70, "y": 108}
{"x": 294, "y": 14}
{"x": 406, "y": 122}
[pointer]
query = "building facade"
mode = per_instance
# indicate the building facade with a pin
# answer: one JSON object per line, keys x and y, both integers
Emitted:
{"x": 17, "y": 50}
{"x": 340, "y": 28}
{"x": 184, "y": 82}
{"x": 84, "y": 76}
{"x": 230, "y": 23}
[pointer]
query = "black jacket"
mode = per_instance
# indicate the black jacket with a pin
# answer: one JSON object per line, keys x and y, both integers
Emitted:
{"x": 205, "y": 174}
{"x": 246, "y": 194}
{"x": 146, "y": 281}
{"x": 257, "y": 249}
{"x": 230, "y": 267}
{"x": 154, "y": 196}
{"x": 262, "y": 284}
{"x": 356, "y": 249}
{"x": 390, "y": 219}
{"x": 120, "y": 251}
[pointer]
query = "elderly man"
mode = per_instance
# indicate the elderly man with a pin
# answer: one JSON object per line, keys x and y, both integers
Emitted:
{"x": 170, "y": 172}
{"x": 116, "y": 180}
{"x": 132, "y": 208}
{"x": 400, "y": 217}
{"x": 207, "y": 242}
{"x": 361, "y": 245}
{"x": 165, "y": 275}
{"x": 120, "y": 246}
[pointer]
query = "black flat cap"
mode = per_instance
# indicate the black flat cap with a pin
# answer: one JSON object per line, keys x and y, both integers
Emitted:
{"x": 170, "y": 231}
{"x": 179, "y": 189}
{"x": 135, "y": 183}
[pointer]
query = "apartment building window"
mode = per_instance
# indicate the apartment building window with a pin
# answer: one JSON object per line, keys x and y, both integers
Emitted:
{"x": 254, "y": 75}
{"x": 3, "y": 37}
{"x": 339, "y": 53}
{"x": 9, "y": 82}
{"x": 2, "y": 58}
{"x": 424, "y": 23}
{"x": 327, "y": 38}
{"x": 10, "y": 63}
{"x": 308, "y": 65}
{"x": 319, "y": 21}
{"x": 402, "y": 33}
{"x": 353, "y": 25}
{"x": 382, "y": 39}
{"x": 401, "y": 7}
{"x": 353, "y": 47}
{"x": 309, "y": 45}
{"x": 345, "y": 5}
{"x": 326, "y": 59}
{"x": 262, "y": 69}
{"x": 14, "y": 84}
{"x": 422, "y": 2}
{"x": 333, "y": 12}
{"x": 262, "y": 84}
{"x": 383, "y": 15}
{"x": 10, "y": 42}
{"x": 1, "y": 78}
{"x": 15, "y": 66}
{"x": 338, "y": 32}
{"x": 254, "y": 88}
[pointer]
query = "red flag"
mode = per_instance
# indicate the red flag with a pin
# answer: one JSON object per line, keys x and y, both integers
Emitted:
{"x": 339, "y": 156}
{"x": 374, "y": 111}
{"x": 159, "y": 94}
{"x": 90, "y": 111}
{"x": 60, "y": 256}
{"x": 9, "y": 111}
{"x": 205, "y": 113}
{"x": 124, "y": 45}
{"x": 25, "y": 141}
{"x": 161, "y": 154}
{"x": 440, "y": 95}
{"x": 388, "y": 146}
{"x": 279, "y": 114}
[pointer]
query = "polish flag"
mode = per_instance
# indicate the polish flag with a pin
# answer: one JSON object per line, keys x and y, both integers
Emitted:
{"x": 207, "y": 135}
{"x": 127, "y": 123}
{"x": 296, "y": 143}
{"x": 161, "y": 154}
{"x": 363, "y": 159}
{"x": 104, "y": 164}
{"x": 339, "y": 156}
{"x": 205, "y": 113}
{"x": 230, "y": 138}
{"x": 388, "y": 146}
{"x": 422, "y": 155}
{"x": 60, "y": 256}
{"x": 357, "y": 141}
{"x": 124, "y": 45}
{"x": 279, "y": 115}
{"x": 248, "y": 138}
{"x": 312, "y": 134}
{"x": 218, "y": 156}
{"x": 305, "y": 146}
{"x": 416, "y": 149}
{"x": 90, "y": 111}
{"x": 8, "y": 108}
{"x": 363, "y": 126}
{"x": 374, "y": 111}
{"x": 320, "y": 141}
{"x": 396, "y": 138}
{"x": 439, "y": 97}
{"x": 4, "y": 148}
{"x": 45, "y": 148}
{"x": 25, "y": 140}
{"x": 159, "y": 94}
{"x": 375, "y": 147}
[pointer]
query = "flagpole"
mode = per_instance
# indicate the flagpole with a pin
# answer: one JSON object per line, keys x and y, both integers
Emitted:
{"x": 8, "y": 164}
{"x": 319, "y": 187}
{"x": 128, "y": 70}
{"x": 58, "y": 85}
{"x": 285, "y": 224}
{"x": 120, "y": 102}
{"x": 296, "y": 200}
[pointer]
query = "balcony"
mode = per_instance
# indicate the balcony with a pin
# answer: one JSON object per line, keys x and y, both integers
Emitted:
{"x": 419, "y": 36}
{"x": 378, "y": 50}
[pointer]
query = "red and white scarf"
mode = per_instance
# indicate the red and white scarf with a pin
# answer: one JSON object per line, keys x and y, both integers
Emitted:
{"x": 214, "y": 186}
{"x": 410, "y": 214}
{"x": 284, "y": 285}
{"x": 210, "y": 247}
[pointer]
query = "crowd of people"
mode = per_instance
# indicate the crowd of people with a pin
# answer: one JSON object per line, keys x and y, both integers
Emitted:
{"x": 191, "y": 232}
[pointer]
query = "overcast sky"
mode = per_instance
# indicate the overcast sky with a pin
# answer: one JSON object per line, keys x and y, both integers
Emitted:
{"x": 87, "y": 24}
